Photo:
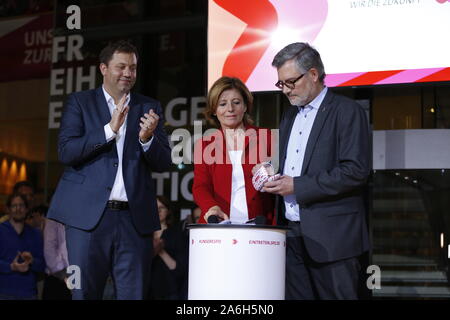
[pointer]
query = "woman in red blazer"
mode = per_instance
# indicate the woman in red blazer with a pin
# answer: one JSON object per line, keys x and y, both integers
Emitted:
{"x": 228, "y": 103}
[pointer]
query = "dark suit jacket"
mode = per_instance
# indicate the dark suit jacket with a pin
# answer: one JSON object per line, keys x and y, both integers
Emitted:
{"x": 91, "y": 163}
{"x": 335, "y": 169}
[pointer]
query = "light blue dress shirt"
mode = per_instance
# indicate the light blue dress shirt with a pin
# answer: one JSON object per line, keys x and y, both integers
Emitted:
{"x": 296, "y": 149}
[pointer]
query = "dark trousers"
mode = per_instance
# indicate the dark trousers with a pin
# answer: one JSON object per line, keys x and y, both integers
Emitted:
{"x": 55, "y": 289}
{"x": 112, "y": 247}
{"x": 310, "y": 280}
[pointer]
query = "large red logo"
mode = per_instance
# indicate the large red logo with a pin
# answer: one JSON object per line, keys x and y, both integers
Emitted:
{"x": 261, "y": 19}
{"x": 442, "y": 1}
{"x": 269, "y": 26}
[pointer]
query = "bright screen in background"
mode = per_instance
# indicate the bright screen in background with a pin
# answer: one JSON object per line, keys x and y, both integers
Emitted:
{"x": 361, "y": 42}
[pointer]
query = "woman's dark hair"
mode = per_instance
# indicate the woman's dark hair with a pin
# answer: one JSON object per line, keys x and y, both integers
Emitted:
{"x": 41, "y": 209}
{"x": 170, "y": 219}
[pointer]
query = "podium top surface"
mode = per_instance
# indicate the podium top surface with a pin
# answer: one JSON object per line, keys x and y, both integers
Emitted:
{"x": 234, "y": 226}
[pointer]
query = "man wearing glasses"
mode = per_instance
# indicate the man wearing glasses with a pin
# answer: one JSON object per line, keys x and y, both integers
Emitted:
{"x": 21, "y": 253}
{"x": 324, "y": 161}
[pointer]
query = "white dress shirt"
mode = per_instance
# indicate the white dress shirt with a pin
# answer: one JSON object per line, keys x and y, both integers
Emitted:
{"x": 296, "y": 149}
{"x": 238, "y": 204}
{"x": 118, "y": 191}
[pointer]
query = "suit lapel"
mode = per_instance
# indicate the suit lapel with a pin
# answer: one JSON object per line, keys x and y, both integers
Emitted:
{"x": 103, "y": 113}
{"x": 321, "y": 116}
{"x": 133, "y": 127}
{"x": 102, "y": 106}
{"x": 290, "y": 118}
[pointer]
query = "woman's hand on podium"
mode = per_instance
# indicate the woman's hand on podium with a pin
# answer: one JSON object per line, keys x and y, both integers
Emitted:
{"x": 216, "y": 211}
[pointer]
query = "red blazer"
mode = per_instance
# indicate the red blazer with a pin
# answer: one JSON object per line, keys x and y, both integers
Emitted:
{"x": 213, "y": 170}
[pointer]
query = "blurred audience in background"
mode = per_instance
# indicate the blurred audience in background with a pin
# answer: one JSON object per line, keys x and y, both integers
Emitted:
{"x": 26, "y": 189}
{"x": 55, "y": 253}
{"x": 33, "y": 252}
{"x": 36, "y": 217}
{"x": 191, "y": 218}
{"x": 21, "y": 253}
{"x": 170, "y": 262}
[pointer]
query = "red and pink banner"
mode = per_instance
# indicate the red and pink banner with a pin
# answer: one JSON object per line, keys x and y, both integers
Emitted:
{"x": 362, "y": 42}
{"x": 26, "y": 47}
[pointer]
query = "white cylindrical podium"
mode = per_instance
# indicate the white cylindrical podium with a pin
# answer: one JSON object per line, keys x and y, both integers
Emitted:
{"x": 236, "y": 262}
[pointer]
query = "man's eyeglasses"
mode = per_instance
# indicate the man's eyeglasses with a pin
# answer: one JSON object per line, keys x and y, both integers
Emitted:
{"x": 288, "y": 83}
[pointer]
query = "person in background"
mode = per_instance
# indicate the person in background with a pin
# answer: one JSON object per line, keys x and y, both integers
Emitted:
{"x": 55, "y": 253}
{"x": 170, "y": 262}
{"x": 195, "y": 215}
{"x": 26, "y": 189}
{"x": 36, "y": 217}
{"x": 4, "y": 217}
{"x": 192, "y": 218}
{"x": 21, "y": 253}
{"x": 223, "y": 177}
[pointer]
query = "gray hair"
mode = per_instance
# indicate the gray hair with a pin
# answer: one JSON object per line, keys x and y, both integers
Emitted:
{"x": 306, "y": 57}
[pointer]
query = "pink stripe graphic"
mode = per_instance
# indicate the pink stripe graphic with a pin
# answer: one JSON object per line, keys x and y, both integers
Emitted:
{"x": 334, "y": 80}
{"x": 409, "y": 76}
{"x": 406, "y": 76}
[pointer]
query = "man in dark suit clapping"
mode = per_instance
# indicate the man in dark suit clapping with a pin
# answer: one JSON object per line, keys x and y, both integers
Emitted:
{"x": 110, "y": 141}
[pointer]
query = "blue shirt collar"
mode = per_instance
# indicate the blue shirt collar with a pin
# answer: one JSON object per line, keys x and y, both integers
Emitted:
{"x": 317, "y": 101}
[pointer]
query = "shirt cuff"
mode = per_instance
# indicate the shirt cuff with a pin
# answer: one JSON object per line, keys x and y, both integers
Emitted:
{"x": 58, "y": 267}
{"x": 109, "y": 134}
{"x": 146, "y": 145}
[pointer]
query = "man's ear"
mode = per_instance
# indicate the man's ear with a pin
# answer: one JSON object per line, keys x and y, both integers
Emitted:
{"x": 314, "y": 74}
{"x": 103, "y": 67}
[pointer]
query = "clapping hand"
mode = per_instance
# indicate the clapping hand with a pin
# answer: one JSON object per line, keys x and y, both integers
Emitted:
{"x": 119, "y": 115}
{"x": 24, "y": 266}
{"x": 148, "y": 124}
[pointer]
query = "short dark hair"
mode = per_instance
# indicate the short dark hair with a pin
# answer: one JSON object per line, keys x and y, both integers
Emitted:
{"x": 306, "y": 57}
{"x": 16, "y": 195}
{"x": 21, "y": 184}
{"x": 41, "y": 209}
{"x": 107, "y": 52}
